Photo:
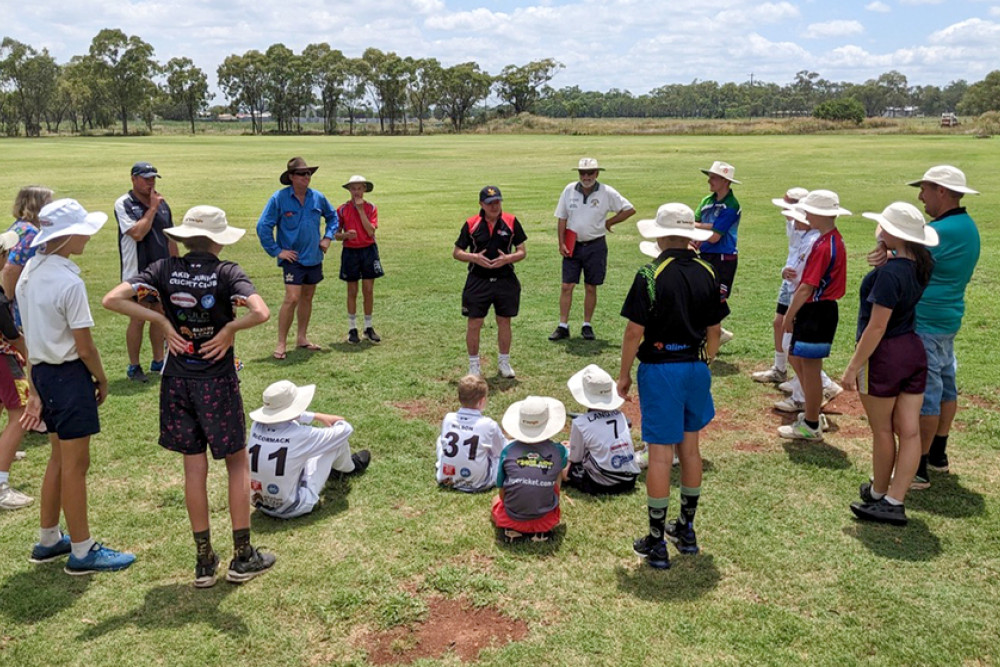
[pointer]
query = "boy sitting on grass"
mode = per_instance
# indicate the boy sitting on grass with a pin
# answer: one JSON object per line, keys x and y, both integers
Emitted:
{"x": 470, "y": 442}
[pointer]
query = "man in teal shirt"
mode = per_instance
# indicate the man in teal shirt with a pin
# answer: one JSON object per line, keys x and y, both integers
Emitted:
{"x": 720, "y": 213}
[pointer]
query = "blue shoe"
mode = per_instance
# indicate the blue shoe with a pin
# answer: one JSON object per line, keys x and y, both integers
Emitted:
{"x": 40, "y": 554}
{"x": 99, "y": 559}
{"x": 156, "y": 366}
{"x": 653, "y": 550}
{"x": 682, "y": 535}
{"x": 135, "y": 374}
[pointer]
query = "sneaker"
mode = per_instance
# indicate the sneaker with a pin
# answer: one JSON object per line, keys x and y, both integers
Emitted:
{"x": 204, "y": 572}
{"x": 559, "y": 334}
{"x": 352, "y": 337}
{"x": 99, "y": 559}
{"x": 20, "y": 454}
{"x": 653, "y": 550}
{"x": 503, "y": 367}
{"x": 40, "y": 554}
{"x": 865, "y": 492}
{"x": 474, "y": 368}
{"x": 786, "y": 387}
{"x": 156, "y": 366}
{"x": 799, "y": 430}
{"x": 245, "y": 569}
{"x": 135, "y": 374}
{"x": 725, "y": 337}
{"x": 938, "y": 464}
{"x": 510, "y": 536}
{"x": 824, "y": 423}
{"x": 772, "y": 374}
{"x": 372, "y": 336}
{"x": 361, "y": 460}
{"x": 831, "y": 392}
{"x": 12, "y": 499}
{"x": 587, "y": 332}
{"x": 541, "y": 537}
{"x": 920, "y": 483}
{"x": 682, "y": 535}
{"x": 881, "y": 511}
{"x": 789, "y": 405}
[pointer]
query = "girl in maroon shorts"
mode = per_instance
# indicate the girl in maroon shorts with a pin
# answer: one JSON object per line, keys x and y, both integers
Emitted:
{"x": 889, "y": 366}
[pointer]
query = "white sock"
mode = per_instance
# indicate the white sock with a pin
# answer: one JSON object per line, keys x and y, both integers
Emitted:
{"x": 585, "y": 324}
{"x": 503, "y": 357}
{"x": 49, "y": 537}
{"x": 781, "y": 361}
{"x": 892, "y": 501}
{"x": 473, "y": 359}
{"x": 4, "y": 477}
{"x": 875, "y": 494}
{"x": 353, "y": 320}
{"x": 564, "y": 325}
{"x": 80, "y": 549}
{"x": 368, "y": 321}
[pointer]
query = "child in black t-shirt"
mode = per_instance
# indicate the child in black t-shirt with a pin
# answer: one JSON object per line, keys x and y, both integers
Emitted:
{"x": 200, "y": 402}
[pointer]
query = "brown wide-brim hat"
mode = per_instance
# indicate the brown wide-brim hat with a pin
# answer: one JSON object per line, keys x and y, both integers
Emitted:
{"x": 295, "y": 164}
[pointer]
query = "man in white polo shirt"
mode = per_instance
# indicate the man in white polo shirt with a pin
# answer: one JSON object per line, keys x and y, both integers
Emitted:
{"x": 582, "y": 213}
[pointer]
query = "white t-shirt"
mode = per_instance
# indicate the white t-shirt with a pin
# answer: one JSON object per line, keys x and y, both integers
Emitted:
{"x": 602, "y": 442}
{"x": 468, "y": 449}
{"x": 279, "y": 454}
{"x": 799, "y": 245}
{"x": 586, "y": 215}
{"x": 53, "y": 302}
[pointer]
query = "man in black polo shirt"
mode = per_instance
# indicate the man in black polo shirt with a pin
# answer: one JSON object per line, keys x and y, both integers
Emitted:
{"x": 674, "y": 309}
{"x": 490, "y": 242}
{"x": 142, "y": 216}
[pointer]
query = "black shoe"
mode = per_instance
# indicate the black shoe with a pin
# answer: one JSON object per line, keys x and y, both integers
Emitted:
{"x": 939, "y": 464}
{"x": 352, "y": 337}
{"x": 587, "y": 332}
{"x": 204, "y": 572}
{"x": 372, "y": 336}
{"x": 361, "y": 460}
{"x": 653, "y": 550}
{"x": 682, "y": 535}
{"x": 865, "y": 492}
{"x": 135, "y": 374}
{"x": 559, "y": 334}
{"x": 881, "y": 511}
{"x": 245, "y": 569}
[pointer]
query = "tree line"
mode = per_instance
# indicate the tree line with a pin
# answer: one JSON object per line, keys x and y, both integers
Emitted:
{"x": 119, "y": 80}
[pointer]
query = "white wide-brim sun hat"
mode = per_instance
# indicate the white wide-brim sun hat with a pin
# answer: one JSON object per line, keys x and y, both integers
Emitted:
{"x": 724, "y": 169}
{"x": 672, "y": 220}
{"x": 283, "y": 401}
{"x": 358, "y": 178}
{"x": 796, "y": 214}
{"x": 593, "y": 387}
{"x": 905, "y": 221}
{"x": 946, "y": 176}
{"x": 792, "y": 196}
{"x": 206, "y": 221}
{"x": 535, "y": 419}
{"x": 821, "y": 202}
{"x": 66, "y": 217}
{"x": 588, "y": 164}
{"x": 650, "y": 248}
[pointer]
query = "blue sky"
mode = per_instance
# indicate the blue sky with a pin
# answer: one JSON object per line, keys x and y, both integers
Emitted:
{"x": 627, "y": 44}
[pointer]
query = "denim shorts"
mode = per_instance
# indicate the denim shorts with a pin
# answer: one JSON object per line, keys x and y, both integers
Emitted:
{"x": 941, "y": 367}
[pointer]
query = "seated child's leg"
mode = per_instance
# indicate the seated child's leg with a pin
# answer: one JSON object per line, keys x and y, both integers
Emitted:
{"x": 239, "y": 489}
{"x": 196, "y": 490}
{"x": 75, "y": 461}
{"x": 812, "y": 386}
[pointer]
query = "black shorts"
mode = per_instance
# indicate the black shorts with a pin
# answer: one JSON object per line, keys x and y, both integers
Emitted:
{"x": 590, "y": 257}
{"x": 297, "y": 274}
{"x": 503, "y": 293}
{"x": 69, "y": 399}
{"x": 200, "y": 414}
{"x": 897, "y": 366}
{"x": 781, "y": 309}
{"x": 360, "y": 264}
{"x": 725, "y": 270}
{"x": 814, "y": 330}
{"x": 580, "y": 479}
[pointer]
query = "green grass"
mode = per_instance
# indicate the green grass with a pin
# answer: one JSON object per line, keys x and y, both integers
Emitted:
{"x": 786, "y": 577}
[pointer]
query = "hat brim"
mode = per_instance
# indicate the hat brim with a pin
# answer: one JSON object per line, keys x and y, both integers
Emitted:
{"x": 369, "y": 186}
{"x": 286, "y": 178}
{"x": 948, "y": 186}
{"x": 585, "y": 399}
{"x": 709, "y": 172}
{"x": 650, "y": 249}
{"x": 929, "y": 238}
{"x": 228, "y": 237}
{"x": 556, "y": 422}
{"x": 88, "y": 227}
{"x": 796, "y": 215}
{"x": 148, "y": 174}
{"x": 781, "y": 203}
{"x": 588, "y": 169}
{"x": 650, "y": 230}
{"x": 303, "y": 397}
{"x": 490, "y": 200}
{"x": 828, "y": 212}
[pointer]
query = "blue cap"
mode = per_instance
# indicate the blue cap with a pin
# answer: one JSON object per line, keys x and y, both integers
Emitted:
{"x": 490, "y": 194}
{"x": 144, "y": 170}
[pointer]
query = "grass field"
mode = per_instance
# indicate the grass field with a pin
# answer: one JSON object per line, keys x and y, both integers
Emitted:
{"x": 786, "y": 575}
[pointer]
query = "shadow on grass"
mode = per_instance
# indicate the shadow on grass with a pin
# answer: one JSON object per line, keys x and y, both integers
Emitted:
{"x": 293, "y": 357}
{"x": 39, "y": 593}
{"x": 913, "y": 542}
{"x": 721, "y": 369}
{"x": 534, "y": 549}
{"x": 126, "y": 387}
{"x": 333, "y": 501}
{"x": 174, "y": 606}
{"x": 579, "y": 347}
{"x": 816, "y": 454}
{"x": 501, "y": 384}
{"x": 947, "y": 497}
{"x": 689, "y": 578}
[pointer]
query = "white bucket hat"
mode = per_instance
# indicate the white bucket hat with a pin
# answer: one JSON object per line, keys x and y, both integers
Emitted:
{"x": 594, "y": 388}
{"x": 588, "y": 164}
{"x": 358, "y": 178}
{"x": 673, "y": 220}
{"x": 821, "y": 202}
{"x": 796, "y": 214}
{"x": 535, "y": 419}
{"x": 792, "y": 196}
{"x": 206, "y": 221}
{"x": 905, "y": 221}
{"x": 283, "y": 401}
{"x": 65, "y": 217}
{"x": 8, "y": 240}
{"x": 724, "y": 169}
{"x": 946, "y": 176}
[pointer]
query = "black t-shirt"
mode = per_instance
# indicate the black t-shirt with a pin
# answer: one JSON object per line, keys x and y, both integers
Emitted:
{"x": 893, "y": 285}
{"x": 199, "y": 293}
{"x": 477, "y": 236}
{"x": 155, "y": 244}
{"x": 676, "y": 298}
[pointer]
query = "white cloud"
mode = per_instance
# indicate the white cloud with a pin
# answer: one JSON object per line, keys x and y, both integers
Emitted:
{"x": 830, "y": 29}
{"x": 968, "y": 33}
{"x": 878, "y": 6}
{"x": 768, "y": 12}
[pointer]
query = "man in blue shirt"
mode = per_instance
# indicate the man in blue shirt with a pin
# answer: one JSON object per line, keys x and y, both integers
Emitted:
{"x": 720, "y": 213}
{"x": 295, "y": 211}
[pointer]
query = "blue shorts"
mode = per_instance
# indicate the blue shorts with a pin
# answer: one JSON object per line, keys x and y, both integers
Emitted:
{"x": 590, "y": 258}
{"x": 941, "y": 367}
{"x": 69, "y": 399}
{"x": 674, "y": 399}
{"x": 297, "y": 274}
{"x": 360, "y": 264}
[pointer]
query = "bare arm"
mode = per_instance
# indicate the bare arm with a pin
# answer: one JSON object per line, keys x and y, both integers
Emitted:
{"x": 799, "y": 299}
{"x": 561, "y": 237}
{"x": 870, "y": 338}
{"x": 516, "y": 256}
{"x": 620, "y": 216}
{"x": 120, "y": 300}
{"x": 8, "y": 278}
{"x": 91, "y": 358}
{"x": 217, "y": 347}
{"x": 712, "y": 338}
{"x": 630, "y": 347}
{"x": 142, "y": 226}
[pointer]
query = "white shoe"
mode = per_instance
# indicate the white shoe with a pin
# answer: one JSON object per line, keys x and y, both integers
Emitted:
{"x": 725, "y": 337}
{"x": 799, "y": 430}
{"x": 12, "y": 499}
{"x": 503, "y": 367}
{"x": 642, "y": 459}
{"x": 474, "y": 368}
{"x": 786, "y": 387}
{"x": 824, "y": 423}
{"x": 19, "y": 455}
{"x": 831, "y": 392}
{"x": 789, "y": 405}
{"x": 772, "y": 374}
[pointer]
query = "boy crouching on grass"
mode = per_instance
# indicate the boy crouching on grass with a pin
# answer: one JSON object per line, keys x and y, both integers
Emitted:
{"x": 470, "y": 443}
{"x": 531, "y": 468}
{"x": 200, "y": 402}
{"x": 290, "y": 460}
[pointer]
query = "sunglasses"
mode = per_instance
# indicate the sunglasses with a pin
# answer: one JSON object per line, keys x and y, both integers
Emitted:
{"x": 302, "y": 173}
{"x": 589, "y": 172}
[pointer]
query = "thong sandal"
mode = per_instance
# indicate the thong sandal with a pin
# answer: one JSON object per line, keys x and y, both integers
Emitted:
{"x": 279, "y": 355}
{"x": 313, "y": 347}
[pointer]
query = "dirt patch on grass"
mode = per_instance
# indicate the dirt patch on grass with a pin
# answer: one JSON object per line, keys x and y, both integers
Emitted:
{"x": 452, "y": 625}
{"x": 980, "y": 401}
{"x": 427, "y": 411}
